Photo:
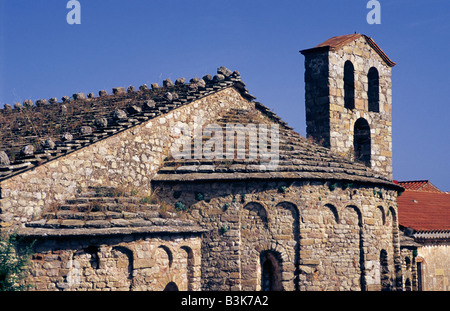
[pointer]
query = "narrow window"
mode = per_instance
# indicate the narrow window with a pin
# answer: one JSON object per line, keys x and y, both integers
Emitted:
{"x": 373, "y": 90}
{"x": 361, "y": 141}
{"x": 349, "y": 85}
{"x": 270, "y": 272}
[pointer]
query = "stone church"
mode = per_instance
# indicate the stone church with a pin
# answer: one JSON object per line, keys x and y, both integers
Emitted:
{"x": 194, "y": 185}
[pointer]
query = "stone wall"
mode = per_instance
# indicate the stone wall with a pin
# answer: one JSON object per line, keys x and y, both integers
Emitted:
{"x": 319, "y": 235}
{"x": 435, "y": 263}
{"x": 128, "y": 159}
{"x": 328, "y": 119}
{"x": 409, "y": 269}
{"x": 116, "y": 263}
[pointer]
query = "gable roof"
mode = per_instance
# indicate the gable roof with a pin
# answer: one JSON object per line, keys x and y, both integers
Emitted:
{"x": 31, "y": 135}
{"x": 418, "y": 185}
{"x": 335, "y": 43}
{"x": 424, "y": 211}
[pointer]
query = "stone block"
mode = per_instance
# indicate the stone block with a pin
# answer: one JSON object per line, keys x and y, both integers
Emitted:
{"x": 78, "y": 96}
{"x": 71, "y": 223}
{"x": 306, "y": 242}
{"x": 4, "y": 159}
{"x": 119, "y": 91}
{"x": 369, "y": 221}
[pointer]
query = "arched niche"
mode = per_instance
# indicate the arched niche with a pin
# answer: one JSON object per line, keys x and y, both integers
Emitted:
{"x": 255, "y": 213}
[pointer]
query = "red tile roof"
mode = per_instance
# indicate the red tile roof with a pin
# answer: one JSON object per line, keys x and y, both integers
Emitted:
{"x": 424, "y": 211}
{"x": 337, "y": 42}
{"x": 418, "y": 185}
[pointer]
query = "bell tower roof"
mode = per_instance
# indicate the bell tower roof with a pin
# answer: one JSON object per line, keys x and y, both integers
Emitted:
{"x": 338, "y": 42}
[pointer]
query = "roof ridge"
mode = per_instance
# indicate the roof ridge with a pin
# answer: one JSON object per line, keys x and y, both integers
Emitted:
{"x": 418, "y": 180}
{"x": 419, "y": 190}
{"x": 419, "y": 185}
{"x": 223, "y": 74}
{"x": 337, "y": 42}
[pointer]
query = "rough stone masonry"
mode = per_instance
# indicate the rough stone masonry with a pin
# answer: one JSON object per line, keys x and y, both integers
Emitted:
{"x": 110, "y": 208}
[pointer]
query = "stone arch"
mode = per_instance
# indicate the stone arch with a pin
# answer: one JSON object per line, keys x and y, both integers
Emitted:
{"x": 358, "y": 214}
{"x": 373, "y": 90}
{"x": 256, "y": 213}
{"x": 362, "y": 141}
{"x": 189, "y": 267}
{"x": 408, "y": 272}
{"x": 288, "y": 221}
{"x": 255, "y": 236}
{"x": 325, "y": 252}
{"x": 123, "y": 258}
{"x": 171, "y": 287}
{"x": 165, "y": 255}
{"x": 271, "y": 271}
{"x": 355, "y": 235}
{"x": 382, "y": 215}
{"x": 334, "y": 211}
{"x": 396, "y": 257}
{"x": 393, "y": 213}
{"x": 349, "y": 85}
{"x": 290, "y": 210}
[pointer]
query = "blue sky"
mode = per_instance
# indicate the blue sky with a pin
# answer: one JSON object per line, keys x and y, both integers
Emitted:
{"x": 122, "y": 43}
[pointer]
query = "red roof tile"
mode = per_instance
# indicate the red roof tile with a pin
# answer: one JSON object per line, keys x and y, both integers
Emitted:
{"x": 418, "y": 185}
{"x": 337, "y": 42}
{"x": 424, "y": 211}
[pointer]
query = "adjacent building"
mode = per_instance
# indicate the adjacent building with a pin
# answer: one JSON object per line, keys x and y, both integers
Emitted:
{"x": 424, "y": 219}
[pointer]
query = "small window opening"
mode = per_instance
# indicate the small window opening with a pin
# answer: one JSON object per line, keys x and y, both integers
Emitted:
{"x": 373, "y": 93}
{"x": 349, "y": 85}
{"x": 361, "y": 141}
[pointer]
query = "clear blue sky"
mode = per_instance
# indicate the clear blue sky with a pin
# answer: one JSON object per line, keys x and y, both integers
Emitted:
{"x": 122, "y": 43}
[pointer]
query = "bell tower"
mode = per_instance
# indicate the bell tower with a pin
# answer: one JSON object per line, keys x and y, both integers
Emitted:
{"x": 348, "y": 100}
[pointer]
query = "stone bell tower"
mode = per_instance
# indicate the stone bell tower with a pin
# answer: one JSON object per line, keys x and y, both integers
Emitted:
{"x": 348, "y": 100}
